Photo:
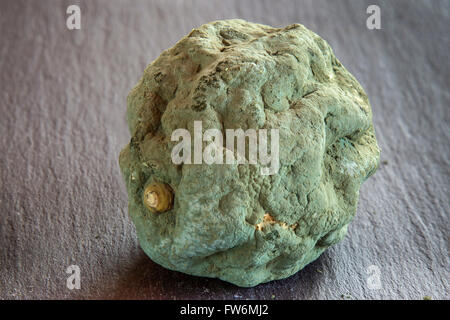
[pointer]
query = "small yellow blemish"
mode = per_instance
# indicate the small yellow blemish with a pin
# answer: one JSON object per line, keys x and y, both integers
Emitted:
{"x": 158, "y": 197}
{"x": 269, "y": 220}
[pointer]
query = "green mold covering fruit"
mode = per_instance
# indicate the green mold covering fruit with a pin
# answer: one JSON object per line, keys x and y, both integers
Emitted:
{"x": 228, "y": 220}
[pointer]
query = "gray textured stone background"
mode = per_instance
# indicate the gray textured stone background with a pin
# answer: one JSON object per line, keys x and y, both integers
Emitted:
{"x": 62, "y": 125}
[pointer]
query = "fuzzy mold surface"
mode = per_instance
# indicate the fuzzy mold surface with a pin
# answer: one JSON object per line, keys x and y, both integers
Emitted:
{"x": 228, "y": 220}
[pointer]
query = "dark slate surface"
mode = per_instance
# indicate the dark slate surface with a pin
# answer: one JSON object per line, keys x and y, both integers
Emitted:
{"x": 62, "y": 125}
